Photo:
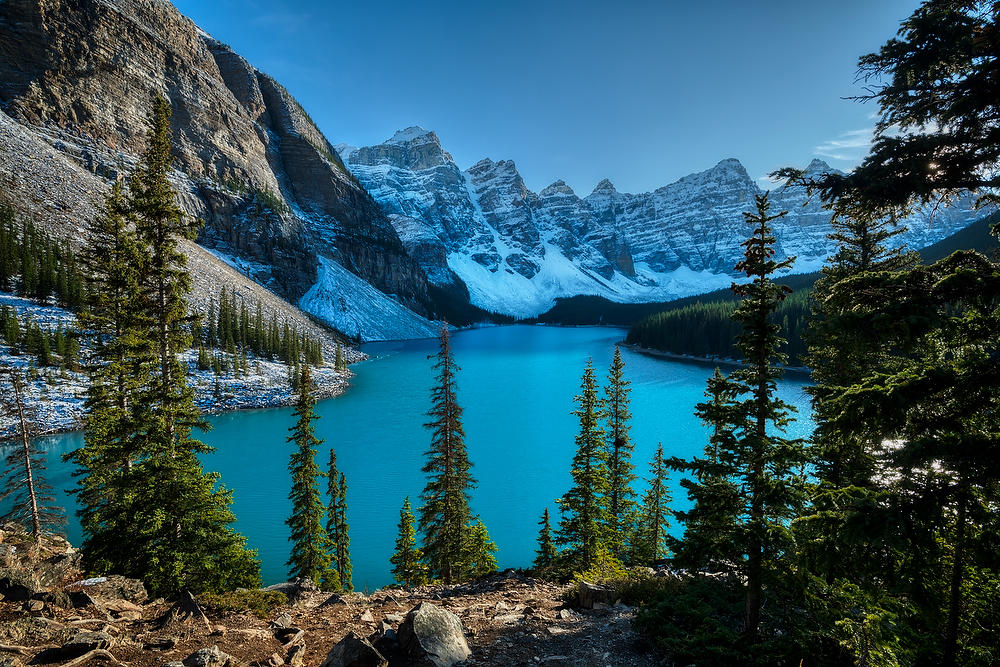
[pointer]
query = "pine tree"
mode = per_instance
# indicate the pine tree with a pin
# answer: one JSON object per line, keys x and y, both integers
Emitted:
{"x": 310, "y": 541}
{"x": 712, "y": 523}
{"x": 479, "y": 550}
{"x": 338, "y": 360}
{"x": 620, "y": 495}
{"x": 654, "y": 521}
{"x": 545, "y": 555}
{"x": 408, "y": 567}
{"x": 769, "y": 466}
{"x": 170, "y": 524}
{"x": 30, "y": 498}
{"x": 583, "y": 509}
{"x": 445, "y": 513}
{"x": 336, "y": 526}
{"x": 122, "y": 365}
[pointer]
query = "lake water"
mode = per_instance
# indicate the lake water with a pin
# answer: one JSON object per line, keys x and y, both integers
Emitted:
{"x": 516, "y": 385}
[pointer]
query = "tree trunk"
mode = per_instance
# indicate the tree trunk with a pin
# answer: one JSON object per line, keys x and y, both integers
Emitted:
{"x": 955, "y": 601}
{"x": 36, "y": 524}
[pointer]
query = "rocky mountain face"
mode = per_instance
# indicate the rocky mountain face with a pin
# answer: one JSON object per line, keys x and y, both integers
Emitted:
{"x": 516, "y": 251}
{"x": 80, "y": 75}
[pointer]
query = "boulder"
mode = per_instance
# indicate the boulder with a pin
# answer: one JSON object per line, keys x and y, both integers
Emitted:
{"x": 354, "y": 651}
{"x": 84, "y": 641}
{"x": 296, "y": 589}
{"x": 430, "y": 635}
{"x": 114, "y": 587}
{"x": 591, "y": 595}
{"x": 18, "y": 585}
{"x": 210, "y": 657}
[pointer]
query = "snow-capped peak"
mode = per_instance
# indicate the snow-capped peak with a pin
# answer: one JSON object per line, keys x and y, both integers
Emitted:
{"x": 605, "y": 186}
{"x": 414, "y": 134}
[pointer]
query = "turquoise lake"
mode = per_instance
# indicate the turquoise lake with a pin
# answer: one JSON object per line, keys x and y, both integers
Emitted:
{"x": 516, "y": 385}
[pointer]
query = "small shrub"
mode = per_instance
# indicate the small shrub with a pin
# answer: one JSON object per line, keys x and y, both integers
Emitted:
{"x": 258, "y": 603}
{"x": 632, "y": 586}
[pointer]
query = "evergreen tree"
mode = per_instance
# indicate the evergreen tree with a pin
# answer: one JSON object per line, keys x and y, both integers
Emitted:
{"x": 310, "y": 541}
{"x": 171, "y": 525}
{"x": 479, "y": 551}
{"x": 654, "y": 521}
{"x": 584, "y": 513}
{"x": 445, "y": 512}
{"x": 769, "y": 465}
{"x": 336, "y": 525}
{"x": 712, "y": 523}
{"x": 408, "y": 567}
{"x": 30, "y": 498}
{"x": 620, "y": 495}
{"x": 545, "y": 555}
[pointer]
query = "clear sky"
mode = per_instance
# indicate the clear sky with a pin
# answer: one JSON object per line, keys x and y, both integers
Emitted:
{"x": 638, "y": 92}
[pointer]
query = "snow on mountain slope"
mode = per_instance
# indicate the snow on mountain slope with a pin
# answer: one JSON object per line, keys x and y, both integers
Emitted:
{"x": 517, "y": 251}
{"x": 349, "y": 304}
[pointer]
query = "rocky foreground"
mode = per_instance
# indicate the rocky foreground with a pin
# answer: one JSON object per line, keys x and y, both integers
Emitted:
{"x": 50, "y": 614}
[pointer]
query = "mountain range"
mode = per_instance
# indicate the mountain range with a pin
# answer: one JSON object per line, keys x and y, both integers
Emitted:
{"x": 377, "y": 242}
{"x": 515, "y": 251}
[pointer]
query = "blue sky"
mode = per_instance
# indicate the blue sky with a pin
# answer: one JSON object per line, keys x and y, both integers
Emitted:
{"x": 639, "y": 92}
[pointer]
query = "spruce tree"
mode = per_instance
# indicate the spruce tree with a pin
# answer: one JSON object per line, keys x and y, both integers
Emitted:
{"x": 444, "y": 515}
{"x": 769, "y": 466}
{"x": 654, "y": 518}
{"x": 583, "y": 508}
{"x": 407, "y": 560}
{"x": 712, "y": 523}
{"x": 620, "y": 495}
{"x": 336, "y": 525}
{"x": 479, "y": 551}
{"x": 172, "y": 523}
{"x": 310, "y": 555}
{"x": 545, "y": 555}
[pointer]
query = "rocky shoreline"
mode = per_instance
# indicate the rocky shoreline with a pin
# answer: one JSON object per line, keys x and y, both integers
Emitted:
{"x": 50, "y": 613}
{"x": 718, "y": 361}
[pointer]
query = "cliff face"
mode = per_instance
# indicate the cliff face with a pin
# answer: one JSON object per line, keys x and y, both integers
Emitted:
{"x": 274, "y": 194}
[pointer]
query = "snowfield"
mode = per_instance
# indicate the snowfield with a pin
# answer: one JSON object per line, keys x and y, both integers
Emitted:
{"x": 352, "y": 306}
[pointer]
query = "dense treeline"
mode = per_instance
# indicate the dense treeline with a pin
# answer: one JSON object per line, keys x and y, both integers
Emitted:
{"x": 230, "y": 327}
{"x": 708, "y": 330}
{"x": 49, "y": 346}
{"x": 35, "y": 266}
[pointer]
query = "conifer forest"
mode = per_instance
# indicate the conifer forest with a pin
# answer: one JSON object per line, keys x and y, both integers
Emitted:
{"x": 860, "y": 526}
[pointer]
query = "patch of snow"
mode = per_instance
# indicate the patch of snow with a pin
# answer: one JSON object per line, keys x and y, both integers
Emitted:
{"x": 349, "y": 304}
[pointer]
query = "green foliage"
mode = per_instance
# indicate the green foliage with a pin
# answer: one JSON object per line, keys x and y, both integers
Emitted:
{"x": 479, "y": 551}
{"x": 336, "y": 525}
{"x": 148, "y": 509}
{"x": 545, "y": 555}
{"x": 310, "y": 540}
{"x": 583, "y": 507}
{"x": 620, "y": 497}
{"x": 633, "y": 586}
{"x": 445, "y": 514}
{"x": 259, "y": 603}
{"x": 35, "y": 265}
{"x": 650, "y": 539}
{"x": 408, "y": 567}
{"x": 709, "y": 330}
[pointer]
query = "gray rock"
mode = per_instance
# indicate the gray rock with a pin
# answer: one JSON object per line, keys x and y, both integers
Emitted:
{"x": 18, "y": 585}
{"x": 590, "y": 595}
{"x": 430, "y": 635}
{"x": 113, "y": 587}
{"x": 84, "y": 641}
{"x": 210, "y": 657}
{"x": 354, "y": 651}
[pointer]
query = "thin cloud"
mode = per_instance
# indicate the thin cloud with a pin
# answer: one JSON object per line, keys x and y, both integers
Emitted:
{"x": 850, "y": 146}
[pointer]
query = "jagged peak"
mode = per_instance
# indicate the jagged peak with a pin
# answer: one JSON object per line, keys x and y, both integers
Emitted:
{"x": 818, "y": 166}
{"x": 558, "y": 188}
{"x": 605, "y": 186}
{"x": 414, "y": 134}
{"x": 728, "y": 164}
